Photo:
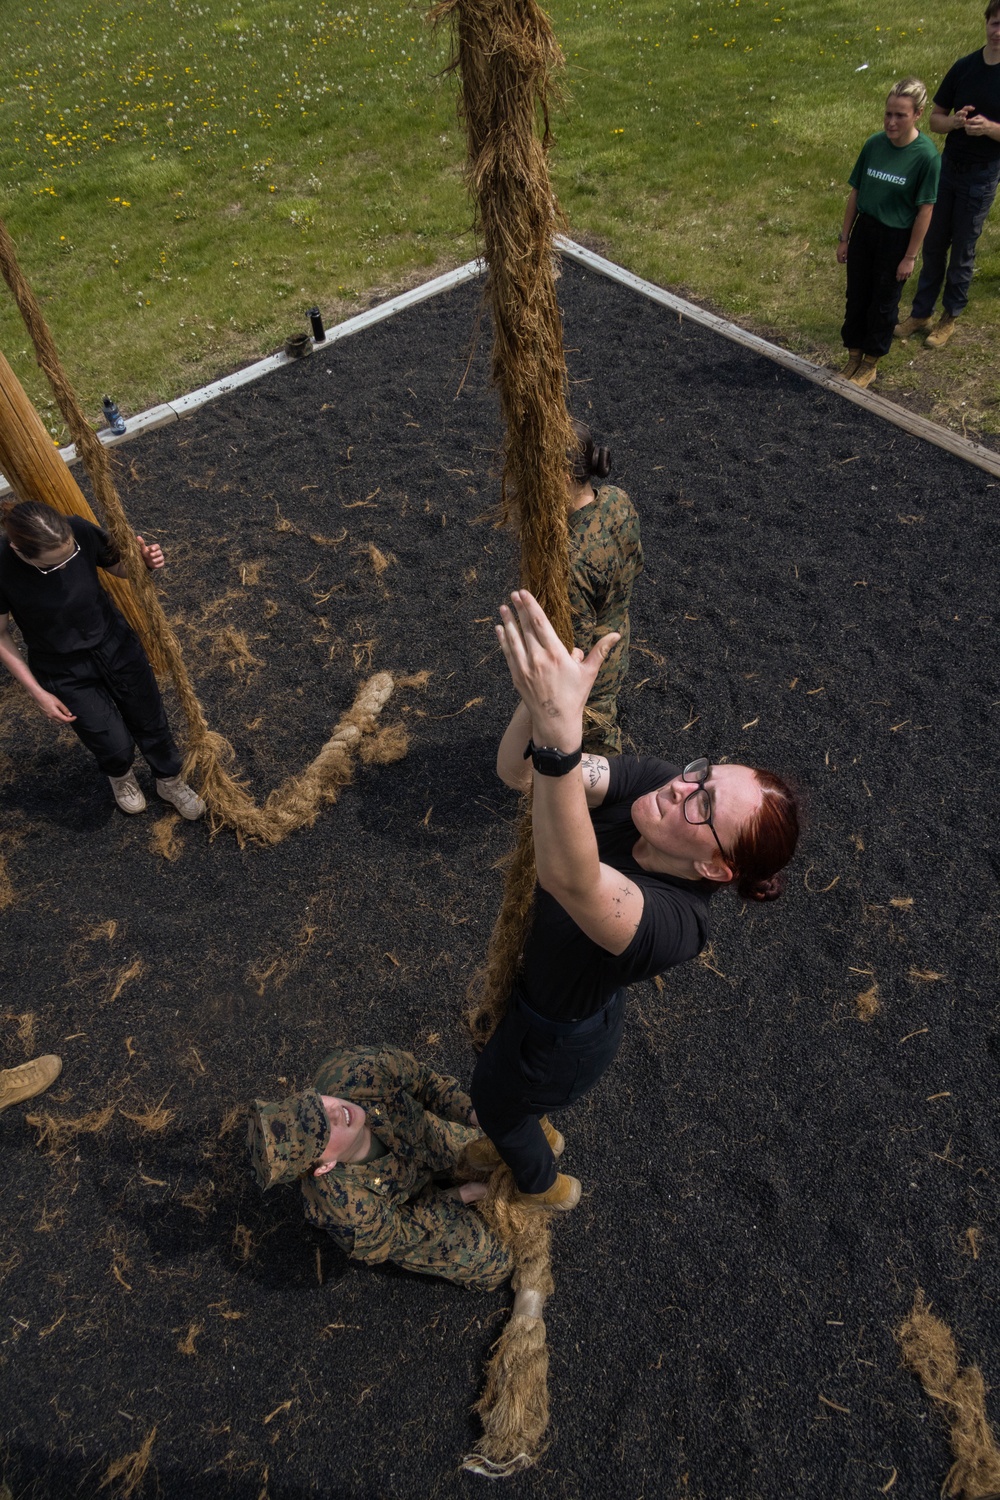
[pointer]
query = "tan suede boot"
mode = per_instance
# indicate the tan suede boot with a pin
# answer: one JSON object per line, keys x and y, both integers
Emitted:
{"x": 910, "y": 326}
{"x": 483, "y": 1156}
{"x": 943, "y": 330}
{"x": 866, "y": 371}
{"x": 29, "y": 1079}
{"x": 853, "y": 361}
{"x": 563, "y": 1195}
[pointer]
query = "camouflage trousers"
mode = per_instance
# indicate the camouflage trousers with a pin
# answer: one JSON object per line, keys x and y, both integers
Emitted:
{"x": 459, "y": 1244}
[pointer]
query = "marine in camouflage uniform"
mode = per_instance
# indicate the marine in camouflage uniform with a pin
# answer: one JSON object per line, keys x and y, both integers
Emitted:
{"x": 396, "y": 1206}
{"x": 605, "y": 558}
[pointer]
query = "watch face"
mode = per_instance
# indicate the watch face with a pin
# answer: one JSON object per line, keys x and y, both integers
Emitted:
{"x": 549, "y": 762}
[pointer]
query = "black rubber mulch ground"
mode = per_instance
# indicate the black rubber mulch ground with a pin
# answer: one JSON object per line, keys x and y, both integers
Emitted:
{"x": 767, "y": 1179}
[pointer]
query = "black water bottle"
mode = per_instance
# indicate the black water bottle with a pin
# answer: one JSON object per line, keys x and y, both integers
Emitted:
{"x": 113, "y": 416}
{"x": 316, "y": 319}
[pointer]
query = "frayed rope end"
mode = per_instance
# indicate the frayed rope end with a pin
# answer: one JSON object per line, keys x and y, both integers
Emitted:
{"x": 488, "y": 1468}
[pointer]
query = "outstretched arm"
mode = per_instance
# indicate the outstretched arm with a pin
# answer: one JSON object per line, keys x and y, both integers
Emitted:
{"x": 512, "y": 768}
{"x": 554, "y": 686}
{"x": 516, "y": 772}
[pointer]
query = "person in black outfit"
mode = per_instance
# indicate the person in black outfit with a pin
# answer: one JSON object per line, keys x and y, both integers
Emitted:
{"x": 628, "y": 855}
{"x": 86, "y": 666}
{"x": 966, "y": 111}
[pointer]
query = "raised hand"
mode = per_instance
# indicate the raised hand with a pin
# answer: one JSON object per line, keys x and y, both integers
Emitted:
{"x": 553, "y": 683}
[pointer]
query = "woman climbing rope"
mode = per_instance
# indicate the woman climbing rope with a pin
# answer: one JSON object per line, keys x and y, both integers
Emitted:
{"x": 628, "y": 855}
{"x": 605, "y": 558}
{"x": 86, "y": 666}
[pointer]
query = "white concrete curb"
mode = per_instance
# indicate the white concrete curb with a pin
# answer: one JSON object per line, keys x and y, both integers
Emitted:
{"x": 186, "y": 406}
{"x": 931, "y": 432}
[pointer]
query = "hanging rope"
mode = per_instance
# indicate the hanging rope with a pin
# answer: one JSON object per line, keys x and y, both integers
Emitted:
{"x": 297, "y": 802}
{"x": 506, "y": 55}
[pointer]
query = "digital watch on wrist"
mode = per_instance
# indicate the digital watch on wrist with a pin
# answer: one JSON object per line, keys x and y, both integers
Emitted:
{"x": 548, "y": 762}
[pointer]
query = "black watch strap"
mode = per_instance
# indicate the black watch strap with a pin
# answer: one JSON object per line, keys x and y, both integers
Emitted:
{"x": 552, "y": 762}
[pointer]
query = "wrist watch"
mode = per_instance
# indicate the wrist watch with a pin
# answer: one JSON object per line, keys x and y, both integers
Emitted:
{"x": 549, "y": 762}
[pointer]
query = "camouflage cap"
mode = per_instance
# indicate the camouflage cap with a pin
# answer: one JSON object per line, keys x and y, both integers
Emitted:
{"x": 285, "y": 1139}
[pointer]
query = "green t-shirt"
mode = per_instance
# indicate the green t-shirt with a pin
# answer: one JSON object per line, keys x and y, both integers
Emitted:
{"x": 894, "y": 181}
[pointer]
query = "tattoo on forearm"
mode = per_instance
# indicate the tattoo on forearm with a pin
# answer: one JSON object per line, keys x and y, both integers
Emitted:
{"x": 591, "y": 769}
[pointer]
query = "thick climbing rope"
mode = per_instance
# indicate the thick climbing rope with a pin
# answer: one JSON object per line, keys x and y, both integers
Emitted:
{"x": 958, "y": 1391}
{"x": 506, "y": 55}
{"x": 297, "y": 802}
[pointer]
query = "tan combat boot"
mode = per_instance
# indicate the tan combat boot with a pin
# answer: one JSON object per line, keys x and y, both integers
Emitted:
{"x": 29, "y": 1079}
{"x": 866, "y": 371}
{"x": 943, "y": 331}
{"x": 910, "y": 326}
{"x": 483, "y": 1156}
{"x": 563, "y": 1195}
{"x": 853, "y": 361}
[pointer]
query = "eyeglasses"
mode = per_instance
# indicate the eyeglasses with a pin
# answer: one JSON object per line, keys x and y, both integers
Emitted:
{"x": 55, "y": 566}
{"x": 698, "y": 805}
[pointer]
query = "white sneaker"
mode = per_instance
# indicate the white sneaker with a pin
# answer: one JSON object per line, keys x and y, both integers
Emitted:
{"x": 128, "y": 793}
{"x": 184, "y": 798}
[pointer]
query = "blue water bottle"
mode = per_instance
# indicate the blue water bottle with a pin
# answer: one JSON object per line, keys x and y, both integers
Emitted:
{"x": 113, "y": 416}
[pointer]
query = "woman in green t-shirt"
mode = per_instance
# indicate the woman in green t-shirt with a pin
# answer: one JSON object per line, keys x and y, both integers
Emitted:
{"x": 893, "y": 188}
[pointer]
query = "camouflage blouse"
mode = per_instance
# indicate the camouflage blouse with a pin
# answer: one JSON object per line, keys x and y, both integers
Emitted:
{"x": 394, "y": 1208}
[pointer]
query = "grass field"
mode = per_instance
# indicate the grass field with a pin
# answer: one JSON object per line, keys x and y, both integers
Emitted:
{"x": 184, "y": 179}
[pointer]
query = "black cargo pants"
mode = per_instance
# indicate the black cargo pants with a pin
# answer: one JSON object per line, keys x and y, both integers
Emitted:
{"x": 113, "y": 693}
{"x": 532, "y": 1065}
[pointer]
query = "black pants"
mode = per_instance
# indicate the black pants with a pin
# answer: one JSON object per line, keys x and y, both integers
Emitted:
{"x": 530, "y": 1066}
{"x": 873, "y": 292}
{"x": 112, "y": 691}
{"x": 964, "y": 199}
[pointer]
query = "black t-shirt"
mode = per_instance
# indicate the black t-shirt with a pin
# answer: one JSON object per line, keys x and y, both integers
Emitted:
{"x": 970, "y": 81}
{"x": 566, "y": 976}
{"x": 64, "y": 611}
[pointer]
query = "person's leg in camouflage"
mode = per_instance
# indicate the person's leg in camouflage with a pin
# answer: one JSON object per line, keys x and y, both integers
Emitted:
{"x": 601, "y": 734}
{"x": 458, "y": 1244}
